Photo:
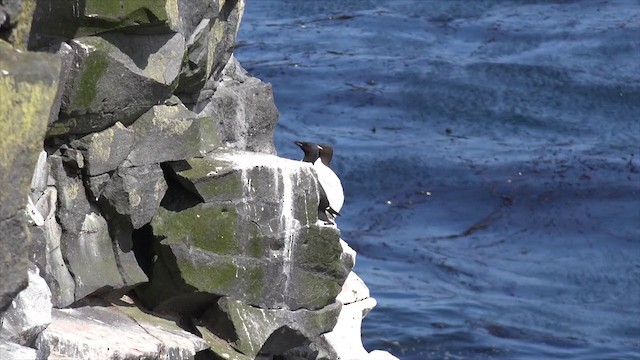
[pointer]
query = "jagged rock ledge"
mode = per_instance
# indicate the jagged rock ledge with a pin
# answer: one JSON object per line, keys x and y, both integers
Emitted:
{"x": 144, "y": 211}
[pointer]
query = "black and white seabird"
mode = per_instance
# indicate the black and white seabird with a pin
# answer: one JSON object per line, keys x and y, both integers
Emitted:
{"x": 311, "y": 154}
{"x": 329, "y": 180}
{"x": 311, "y": 151}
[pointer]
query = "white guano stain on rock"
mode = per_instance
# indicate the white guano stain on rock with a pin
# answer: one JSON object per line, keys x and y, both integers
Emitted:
{"x": 286, "y": 175}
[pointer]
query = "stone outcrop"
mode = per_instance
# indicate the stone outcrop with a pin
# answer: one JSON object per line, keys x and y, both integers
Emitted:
{"x": 115, "y": 332}
{"x": 29, "y": 313}
{"x": 33, "y": 79}
{"x": 144, "y": 212}
{"x": 259, "y": 240}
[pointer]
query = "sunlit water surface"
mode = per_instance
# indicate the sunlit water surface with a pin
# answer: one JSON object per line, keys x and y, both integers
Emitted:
{"x": 490, "y": 156}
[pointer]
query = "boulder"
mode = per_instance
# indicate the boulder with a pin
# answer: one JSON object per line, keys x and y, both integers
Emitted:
{"x": 58, "y": 20}
{"x": 87, "y": 245}
{"x": 47, "y": 254}
{"x": 95, "y": 185}
{"x": 256, "y": 331}
{"x": 220, "y": 348}
{"x": 39, "y": 179}
{"x": 193, "y": 74}
{"x": 13, "y": 351}
{"x": 136, "y": 192}
{"x": 72, "y": 201}
{"x": 28, "y": 84}
{"x": 29, "y": 313}
{"x": 242, "y": 108}
{"x": 90, "y": 257}
{"x": 63, "y": 19}
{"x": 103, "y": 151}
{"x": 167, "y": 133}
{"x": 15, "y": 21}
{"x": 222, "y": 36}
{"x": 117, "y": 77}
{"x": 209, "y": 47}
{"x": 344, "y": 342}
{"x": 115, "y": 332}
{"x": 250, "y": 234}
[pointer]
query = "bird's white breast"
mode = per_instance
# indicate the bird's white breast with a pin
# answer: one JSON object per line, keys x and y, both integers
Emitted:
{"x": 331, "y": 185}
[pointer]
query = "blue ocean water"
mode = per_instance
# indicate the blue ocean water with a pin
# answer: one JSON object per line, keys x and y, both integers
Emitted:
{"x": 490, "y": 155}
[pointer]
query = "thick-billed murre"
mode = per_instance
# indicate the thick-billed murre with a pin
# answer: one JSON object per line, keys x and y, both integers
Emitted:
{"x": 329, "y": 180}
{"x": 311, "y": 154}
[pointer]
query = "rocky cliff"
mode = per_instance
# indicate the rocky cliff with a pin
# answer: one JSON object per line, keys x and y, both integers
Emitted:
{"x": 144, "y": 213}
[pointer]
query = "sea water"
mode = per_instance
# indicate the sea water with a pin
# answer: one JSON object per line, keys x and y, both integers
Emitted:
{"x": 490, "y": 156}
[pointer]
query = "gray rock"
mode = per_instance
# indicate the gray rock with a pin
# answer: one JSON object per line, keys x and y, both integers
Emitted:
{"x": 348, "y": 254}
{"x": 86, "y": 244}
{"x": 28, "y": 85}
{"x": 136, "y": 192}
{"x": 117, "y": 77}
{"x": 67, "y": 56}
{"x": 193, "y": 74}
{"x": 39, "y": 178}
{"x": 105, "y": 150}
{"x": 243, "y": 110}
{"x": 47, "y": 255}
{"x": 185, "y": 15}
{"x": 255, "y": 237}
{"x": 13, "y": 351}
{"x": 167, "y": 133}
{"x": 90, "y": 257}
{"x": 29, "y": 313}
{"x": 122, "y": 332}
{"x": 15, "y": 19}
{"x": 344, "y": 341}
{"x": 11, "y": 10}
{"x": 61, "y": 19}
{"x": 64, "y": 19}
{"x": 15, "y": 247}
{"x": 220, "y": 347}
{"x": 72, "y": 201}
{"x": 209, "y": 48}
{"x": 222, "y": 36}
{"x": 96, "y": 184}
{"x": 270, "y": 331}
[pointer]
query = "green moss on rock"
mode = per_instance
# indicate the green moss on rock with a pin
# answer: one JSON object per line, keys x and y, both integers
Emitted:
{"x": 317, "y": 245}
{"x": 256, "y": 281}
{"x": 209, "y": 178}
{"x": 95, "y": 67}
{"x": 256, "y": 243}
{"x": 28, "y": 87}
{"x": 211, "y": 278}
{"x": 207, "y": 228}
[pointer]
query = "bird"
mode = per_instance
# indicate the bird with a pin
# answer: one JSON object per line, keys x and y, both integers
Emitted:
{"x": 311, "y": 151}
{"x": 329, "y": 180}
{"x": 311, "y": 154}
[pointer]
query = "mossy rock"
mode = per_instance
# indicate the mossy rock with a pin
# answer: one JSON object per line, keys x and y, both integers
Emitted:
{"x": 251, "y": 233}
{"x": 209, "y": 178}
{"x": 169, "y": 133}
{"x": 104, "y": 151}
{"x": 275, "y": 331}
{"x": 28, "y": 86}
{"x": 65, "y": 19}
{"x": 117, "y": 77}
